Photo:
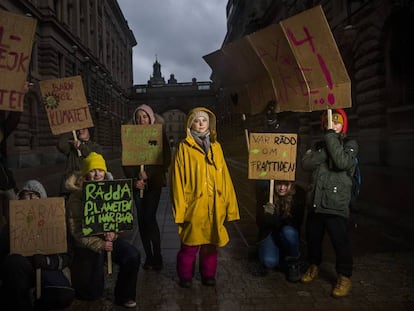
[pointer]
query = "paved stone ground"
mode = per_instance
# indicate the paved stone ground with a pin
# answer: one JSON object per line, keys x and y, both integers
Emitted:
{"x": 383, "y": 276}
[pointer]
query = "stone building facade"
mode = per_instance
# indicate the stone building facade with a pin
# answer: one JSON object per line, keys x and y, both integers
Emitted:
{"x": 90, "y": 38}
{"x": 373, "y": 38}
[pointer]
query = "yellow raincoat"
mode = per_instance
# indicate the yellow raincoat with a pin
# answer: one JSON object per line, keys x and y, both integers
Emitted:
{"x": 202, "y": 191}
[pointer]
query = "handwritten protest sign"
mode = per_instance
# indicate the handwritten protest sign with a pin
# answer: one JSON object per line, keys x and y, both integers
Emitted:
{"x": 16, "y": 40}
{"x": 66, "y": 105}
{"x": 38, "y": 226}
{"x": 272, "y": 156}
{"x": 107, "y": 206}
{"x": 141, "y": 144}
{"x": 296, "y": 63}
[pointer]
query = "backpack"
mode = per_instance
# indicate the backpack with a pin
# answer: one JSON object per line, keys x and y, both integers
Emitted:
{"x": 356, "y": 185}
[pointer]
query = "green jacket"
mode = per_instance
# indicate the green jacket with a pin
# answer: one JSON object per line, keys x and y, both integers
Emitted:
{"x": 332, "y": 163}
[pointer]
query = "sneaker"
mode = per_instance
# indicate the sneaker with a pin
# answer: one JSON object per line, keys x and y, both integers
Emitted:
{"x": 208, "y": 281}
{"x": 310, "y": 274}
{"x": 342, "y": 288}
{"x": 185, "y": 283}
{"x": 130, "y": 304}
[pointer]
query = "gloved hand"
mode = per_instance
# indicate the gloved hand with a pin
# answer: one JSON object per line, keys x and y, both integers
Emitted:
{"x": 40, "y": 261}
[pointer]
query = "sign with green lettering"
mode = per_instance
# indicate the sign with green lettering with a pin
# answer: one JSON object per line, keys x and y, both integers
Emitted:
{"x": 272, "y": 156}
{"x": 141, "y": 144}
{"x": 107, "y": 206}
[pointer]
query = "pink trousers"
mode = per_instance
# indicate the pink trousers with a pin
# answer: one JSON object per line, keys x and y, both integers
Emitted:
{"x": 186, "y": 259}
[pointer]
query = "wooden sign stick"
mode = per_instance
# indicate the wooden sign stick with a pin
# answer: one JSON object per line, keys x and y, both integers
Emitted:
{"x": 75, "y": 138}
{"x": 141, "y": 191}
{"x": 271, "y": 190}
{"x": 329, "y": 118}
{"x": 246, "y": 132}
{"x": 109, "y": 261}
{"x": 38, "y": 283}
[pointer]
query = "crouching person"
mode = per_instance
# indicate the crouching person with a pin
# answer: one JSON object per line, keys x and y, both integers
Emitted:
{"x": 279, "y": 228}
{"x": 18, "y": 273}
{"x": 89, "y": 252}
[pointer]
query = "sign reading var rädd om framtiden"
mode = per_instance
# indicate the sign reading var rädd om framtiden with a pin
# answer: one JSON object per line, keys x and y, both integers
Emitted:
{"x": 272, "y": 156}
{"x": 107, "y": 206}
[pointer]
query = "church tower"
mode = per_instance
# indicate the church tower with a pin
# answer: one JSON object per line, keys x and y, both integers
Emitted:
{"x": 157, "y": 78}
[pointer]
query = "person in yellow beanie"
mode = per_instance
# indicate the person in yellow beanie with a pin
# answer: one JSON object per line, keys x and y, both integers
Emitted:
{"x": 90, "y": 251}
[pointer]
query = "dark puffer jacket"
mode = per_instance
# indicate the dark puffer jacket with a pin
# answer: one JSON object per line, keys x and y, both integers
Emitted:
{"x": 333, "y": 163}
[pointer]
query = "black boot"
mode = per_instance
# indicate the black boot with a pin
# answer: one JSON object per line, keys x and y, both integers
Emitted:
{"x": 293, "y": 269}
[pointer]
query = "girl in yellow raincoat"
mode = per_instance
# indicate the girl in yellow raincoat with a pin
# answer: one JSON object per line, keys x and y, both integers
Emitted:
{"x": 203, "y": 198}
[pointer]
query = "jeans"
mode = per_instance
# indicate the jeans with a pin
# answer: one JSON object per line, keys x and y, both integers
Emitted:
{"x": 284, "y": 242}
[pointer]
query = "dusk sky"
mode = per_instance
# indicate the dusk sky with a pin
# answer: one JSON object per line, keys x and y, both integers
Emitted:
{"x": 176, "y": 32}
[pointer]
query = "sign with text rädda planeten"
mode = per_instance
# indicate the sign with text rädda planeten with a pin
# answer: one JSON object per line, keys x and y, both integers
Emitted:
{"x": 16, "y": 41}
{"x": 107, "y": 206}
{"x": 295, "y": 62}
{"x": 141, "y": 144}
{"x": 272, "y": 156}
{"x": 38, "y": 226}
{"x": 66, "y": 105}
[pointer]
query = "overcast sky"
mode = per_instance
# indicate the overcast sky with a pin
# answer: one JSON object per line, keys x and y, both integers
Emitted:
{"x": 178, "y": 32}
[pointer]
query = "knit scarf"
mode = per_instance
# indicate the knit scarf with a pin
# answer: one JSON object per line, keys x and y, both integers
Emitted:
{"x": 203, "y": 139}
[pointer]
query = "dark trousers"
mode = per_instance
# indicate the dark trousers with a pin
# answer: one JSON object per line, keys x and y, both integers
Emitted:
{"x": 88, "y": 272}
{"x": 337, "y": 228}
{"x": 148, "y": 227}
{"x": 18, "y": 280}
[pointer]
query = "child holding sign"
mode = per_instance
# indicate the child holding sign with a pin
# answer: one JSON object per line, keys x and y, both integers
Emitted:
{"x": 90, "y": 251}
{"x": 203, "y": 198}
{"x": 332, "y": 162}
{"x": 18, "y": 271}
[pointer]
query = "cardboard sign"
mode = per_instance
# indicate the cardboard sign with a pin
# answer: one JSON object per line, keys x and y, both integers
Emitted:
{"x": 16, "y": 40}
{"x": 38, "y": 226}
{"x": 141, "y": 144}
{"x": 296, "y": 63}
{"x": 272, "y": 156}
{"x": 66, "y": 105}
{"x": 107, "y": 206}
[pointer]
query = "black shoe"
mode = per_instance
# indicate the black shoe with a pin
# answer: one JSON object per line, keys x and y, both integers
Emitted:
{"x": 148, "y": 265}
{"x": 185, "y": 283}
{"x": 208, "y": 281}
{"x": 157, "y": 264}
{"x": 293, "y": 272}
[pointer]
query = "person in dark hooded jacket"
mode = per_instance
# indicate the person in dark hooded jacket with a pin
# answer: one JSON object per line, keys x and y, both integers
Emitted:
{"x": 150, "y": 181}
{"x": 332, "y": 162}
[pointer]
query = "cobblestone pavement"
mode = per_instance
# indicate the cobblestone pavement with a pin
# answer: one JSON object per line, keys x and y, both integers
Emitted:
{"x": 383, "y": 275}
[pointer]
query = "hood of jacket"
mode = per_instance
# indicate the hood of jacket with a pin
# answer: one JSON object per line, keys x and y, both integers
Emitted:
{"x": 34, "y": 186}
{"x": 148, "y": 110}
{"x": 344, "y": 116}
{"x": 212, "y": 122}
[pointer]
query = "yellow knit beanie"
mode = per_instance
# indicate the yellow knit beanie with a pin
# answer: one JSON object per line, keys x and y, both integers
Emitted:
{"x": 93, "y": 161}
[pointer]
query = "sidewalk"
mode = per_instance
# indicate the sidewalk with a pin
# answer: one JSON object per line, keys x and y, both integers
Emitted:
{"x": 383, "y": 275}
